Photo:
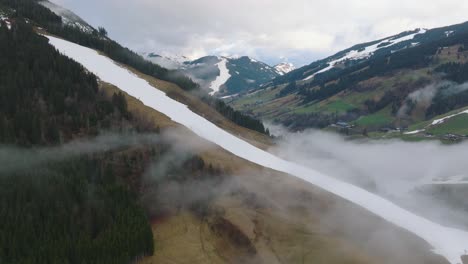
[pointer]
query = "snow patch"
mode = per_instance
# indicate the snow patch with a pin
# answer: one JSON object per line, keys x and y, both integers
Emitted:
{"x": 415, "y": 132}
{"x": 284, "y": 67}
{"x": 222, "y": 78}
{"x": 449, "y": 33}
{"x": 6, "y": 20}
{"x": 229, "y": 96}
{"x": 448, "y": 242}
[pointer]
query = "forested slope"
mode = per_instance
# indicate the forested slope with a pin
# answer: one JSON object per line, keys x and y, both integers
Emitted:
{"x": 66, "y": 203}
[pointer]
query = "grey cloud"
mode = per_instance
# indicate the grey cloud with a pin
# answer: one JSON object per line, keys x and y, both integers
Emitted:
{"x": 264, "y": 29}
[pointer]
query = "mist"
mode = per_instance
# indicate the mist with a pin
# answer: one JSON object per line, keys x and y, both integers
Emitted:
{"x": 390, "y": 168}
{"x": 14, "y": 158}
{"x": 425, "y": 95}
{"x": 394, "y": 169}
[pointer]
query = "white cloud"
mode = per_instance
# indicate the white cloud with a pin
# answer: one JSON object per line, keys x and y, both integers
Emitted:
{"x": 301, "y": 30}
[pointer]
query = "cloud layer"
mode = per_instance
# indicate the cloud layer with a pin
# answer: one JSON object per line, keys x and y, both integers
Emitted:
{"x": 270, "y": 30}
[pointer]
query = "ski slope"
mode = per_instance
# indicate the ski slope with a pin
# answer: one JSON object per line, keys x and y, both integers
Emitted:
{"x": 222, "y": 78}
{"x": 448, "y": 242}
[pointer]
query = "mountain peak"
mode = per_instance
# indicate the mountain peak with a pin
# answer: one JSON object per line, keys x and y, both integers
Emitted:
{"x": 166, "y": 60}
{"x": 284, "y": 67}
{"x": 220, "y": 75}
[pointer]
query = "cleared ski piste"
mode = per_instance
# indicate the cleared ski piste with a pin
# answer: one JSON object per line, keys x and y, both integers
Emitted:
{"x": 448, "y": 242}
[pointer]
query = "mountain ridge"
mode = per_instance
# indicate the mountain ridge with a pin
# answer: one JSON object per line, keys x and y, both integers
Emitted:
{"x": 371, "y": 86}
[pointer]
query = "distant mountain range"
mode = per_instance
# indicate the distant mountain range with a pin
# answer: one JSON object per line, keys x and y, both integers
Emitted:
{"x": 222, "y": 76}
{"x": 405, "y": 81}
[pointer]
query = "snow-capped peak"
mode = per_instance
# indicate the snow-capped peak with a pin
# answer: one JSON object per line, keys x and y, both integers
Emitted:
{"x": 166, "y": 60}
{"x": 173, "y": 57}
{"x": 284, "y": 67}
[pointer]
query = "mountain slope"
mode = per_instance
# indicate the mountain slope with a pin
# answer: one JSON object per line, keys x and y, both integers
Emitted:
{"x": 234, "y": 227}
{"x": 449, "y": 242}
{"x": 99, "y": 40}
{"x": 372, "y": 85}
{"x": 222, "y": 76}
{"x": 69, "y": 18}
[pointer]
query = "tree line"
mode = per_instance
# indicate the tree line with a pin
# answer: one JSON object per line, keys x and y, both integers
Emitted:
{"x": 47, "y": 97}
{"x": 236, "y": 116}
{"x": 75, "y": 210}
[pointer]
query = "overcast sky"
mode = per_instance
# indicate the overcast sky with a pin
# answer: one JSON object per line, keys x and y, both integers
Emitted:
{"x": 299, "y": 31}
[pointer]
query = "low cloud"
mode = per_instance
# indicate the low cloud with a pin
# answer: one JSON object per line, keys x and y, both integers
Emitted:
{"x": 391, "y": 168}
{"x": 14, "y": 158}
{"x": 423, "y": 97}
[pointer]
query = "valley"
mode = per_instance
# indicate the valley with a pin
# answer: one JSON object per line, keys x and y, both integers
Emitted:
{"x": 355, "y": 91}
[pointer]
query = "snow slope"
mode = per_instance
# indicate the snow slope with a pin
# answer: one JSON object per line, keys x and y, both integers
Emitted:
{"x": 437, "y": 122}
{"x": 367, "y": 51}
{"x": 442, "y": 120}
{"x": 222, "y": 78}
{"x": 449, "y": 242}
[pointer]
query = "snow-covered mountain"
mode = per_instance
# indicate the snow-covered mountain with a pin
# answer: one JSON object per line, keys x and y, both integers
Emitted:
{"x": 222, "y": 76}
{"x": 168, "y": 61}
{"x": 284, "y": 67}
{"x": 369, "y": 49}
{"x": 68, "y": 17}
{"x": 363, "y": 52}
